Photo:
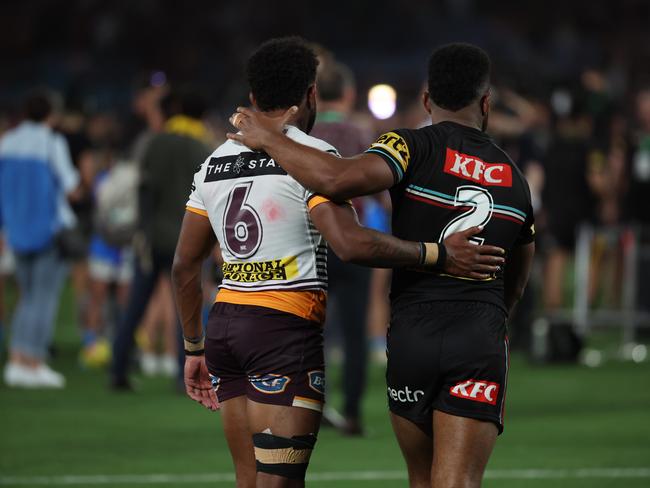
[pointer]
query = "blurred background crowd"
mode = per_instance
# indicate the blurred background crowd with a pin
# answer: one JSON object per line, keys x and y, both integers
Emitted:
{"x": 141, "y": 91}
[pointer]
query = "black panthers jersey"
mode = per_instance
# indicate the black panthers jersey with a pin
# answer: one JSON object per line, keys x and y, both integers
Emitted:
{"x": 448, "y": 178}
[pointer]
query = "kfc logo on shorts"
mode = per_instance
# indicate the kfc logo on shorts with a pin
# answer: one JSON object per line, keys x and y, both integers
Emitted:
{"x": 473, "y": 169}
{"x": 317, "y": 381}
{"x": 269, "y": 383}
{"x": 478, "y": 391}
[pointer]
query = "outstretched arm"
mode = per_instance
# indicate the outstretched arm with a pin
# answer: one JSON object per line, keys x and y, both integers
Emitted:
{"x": 195, "y": 243}
{"x": 357, "y": 244}
{"x": 324, "y": 173}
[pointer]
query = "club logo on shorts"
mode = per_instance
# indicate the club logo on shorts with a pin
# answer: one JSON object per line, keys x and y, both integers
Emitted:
{"x": 317, "y": 381}
{"x": 478, "y": 391}
{"x": 216, "y": 381}
{"x": 269, "y": 383}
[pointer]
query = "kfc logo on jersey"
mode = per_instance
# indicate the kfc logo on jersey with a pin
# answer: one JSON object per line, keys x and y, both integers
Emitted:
{"x": 479, "y": 391}
{"x": 474, "y": 169}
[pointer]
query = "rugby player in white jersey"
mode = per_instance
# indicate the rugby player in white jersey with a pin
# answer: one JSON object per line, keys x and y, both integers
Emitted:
{"x": 263, "y": 350}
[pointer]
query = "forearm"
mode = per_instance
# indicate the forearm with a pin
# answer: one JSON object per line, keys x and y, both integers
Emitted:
{"x": 378, "y": 250}
{"x": 317, "y": 170}
{"x": 186, "y": 278}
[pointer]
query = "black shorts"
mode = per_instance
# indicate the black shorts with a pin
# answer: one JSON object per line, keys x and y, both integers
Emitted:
{"x": 448, "y": 356}
{"x": 267, "y": 355}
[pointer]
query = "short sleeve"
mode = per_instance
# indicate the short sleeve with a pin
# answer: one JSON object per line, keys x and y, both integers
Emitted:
{"x": 314, "y": 200}
{"x": 394, "y": 149}
{"x": 66, "y": 173}
{"x": 527, "y": 232}
{"x": 195, "y": 202}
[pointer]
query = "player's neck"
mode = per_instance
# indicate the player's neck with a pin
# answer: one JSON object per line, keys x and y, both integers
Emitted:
{"x": 297, "y": 120}
{"x": 466, "y": 116}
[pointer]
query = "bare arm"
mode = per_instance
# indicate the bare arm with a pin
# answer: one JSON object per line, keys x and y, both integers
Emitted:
{"x": 357, "y": 244}
{"x": 195, "y": 242}
{"x": 517, "y": 272}
{"x": 322, "y": 172}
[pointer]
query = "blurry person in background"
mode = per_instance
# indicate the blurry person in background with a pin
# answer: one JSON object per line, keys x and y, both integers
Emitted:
{"x": 110, "y": 264}
{"x": 349, "y": 283}
{"x": 74, "y": 126}
{"x": 37, "y": 178}
{"x": 166, "y": 170}
{"x": 157, "y": 336}
{"x": 567, "y": 198}
{"x": 639, "y": 178}
{"x": 149, "y": 116}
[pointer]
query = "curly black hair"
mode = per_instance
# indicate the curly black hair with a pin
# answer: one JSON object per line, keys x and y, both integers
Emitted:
{"x": 280, "y": 71}
{"x": 458, "y": 75}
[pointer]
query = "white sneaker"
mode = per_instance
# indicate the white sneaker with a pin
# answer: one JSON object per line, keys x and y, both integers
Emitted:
{"x": 48, "y": 378}
{"x": 169, "y": 366}
{"x": 149, "y": 364}
{"x": 19, "y": 376}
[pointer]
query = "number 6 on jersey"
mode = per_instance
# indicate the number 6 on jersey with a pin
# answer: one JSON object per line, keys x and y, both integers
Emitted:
{"x": 242, "y": 226}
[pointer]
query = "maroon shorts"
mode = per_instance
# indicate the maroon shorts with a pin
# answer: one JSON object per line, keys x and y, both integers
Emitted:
{"x": 268, "y": 355}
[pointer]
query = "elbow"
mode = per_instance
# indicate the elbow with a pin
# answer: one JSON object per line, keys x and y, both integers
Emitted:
{"x": 350, "y": 248}
{"x": 181, "y": 267}
{"x": 333, "y": 186}
{"x": 344, "y": 252}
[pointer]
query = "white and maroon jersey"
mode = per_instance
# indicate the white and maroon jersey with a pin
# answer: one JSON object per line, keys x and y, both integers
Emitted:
{"x": 260, "y": 216}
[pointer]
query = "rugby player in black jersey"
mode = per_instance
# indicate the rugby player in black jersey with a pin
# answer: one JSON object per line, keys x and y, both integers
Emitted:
{"x": 447, "y": 343}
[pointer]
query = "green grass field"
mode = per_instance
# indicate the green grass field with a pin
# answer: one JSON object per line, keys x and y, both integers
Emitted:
{"x": 567, "y": 426}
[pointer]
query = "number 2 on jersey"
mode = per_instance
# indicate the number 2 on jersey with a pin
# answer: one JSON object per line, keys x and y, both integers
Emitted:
{"x": 242, "y": 227}
{"x": 480, "y": 210}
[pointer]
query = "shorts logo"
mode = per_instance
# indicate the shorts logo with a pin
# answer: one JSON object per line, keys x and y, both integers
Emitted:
{"x": 473, "y": 169}
{"x": 269, "y": 383}
{"x": 405, "y": 395}
{"x": 478, "y": 391}
{"x": 317, "y": 381}
{"x": 216, "y": 381}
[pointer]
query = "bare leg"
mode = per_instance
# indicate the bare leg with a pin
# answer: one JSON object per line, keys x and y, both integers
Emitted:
{"x": 554, "y": 271}
{"x": 166, "y": 299}
{"x": 283, "y": 422}
{"x": 98, "y": 296}
{"x": 462, "y": 447}
{"x": 238, "y": 435}
{"x": 417, "y": 449}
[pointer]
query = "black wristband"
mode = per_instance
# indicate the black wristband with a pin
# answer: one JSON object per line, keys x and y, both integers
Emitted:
{"x": 198, "y": 352}
{"x": 442, "y": 257}
{"x": 423, "y": 253}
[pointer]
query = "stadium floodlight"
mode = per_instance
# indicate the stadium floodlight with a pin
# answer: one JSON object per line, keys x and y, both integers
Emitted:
{"x": 382, "y": 100}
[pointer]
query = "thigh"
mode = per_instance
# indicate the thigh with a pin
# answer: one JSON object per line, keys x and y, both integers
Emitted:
{"x": 475, "y": 364}
{"x": 413, "y": 369}
{"x": 462, "y": 447}
{"x": 280, "y": 353}
{"x": 234, "y": 415}
{"x": 417, "y": 449}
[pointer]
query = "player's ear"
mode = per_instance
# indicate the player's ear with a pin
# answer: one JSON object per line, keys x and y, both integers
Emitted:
{"x": 311, "y": 95}
{"x": 426, "y": 101}
{"x": 485, "y": 103}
